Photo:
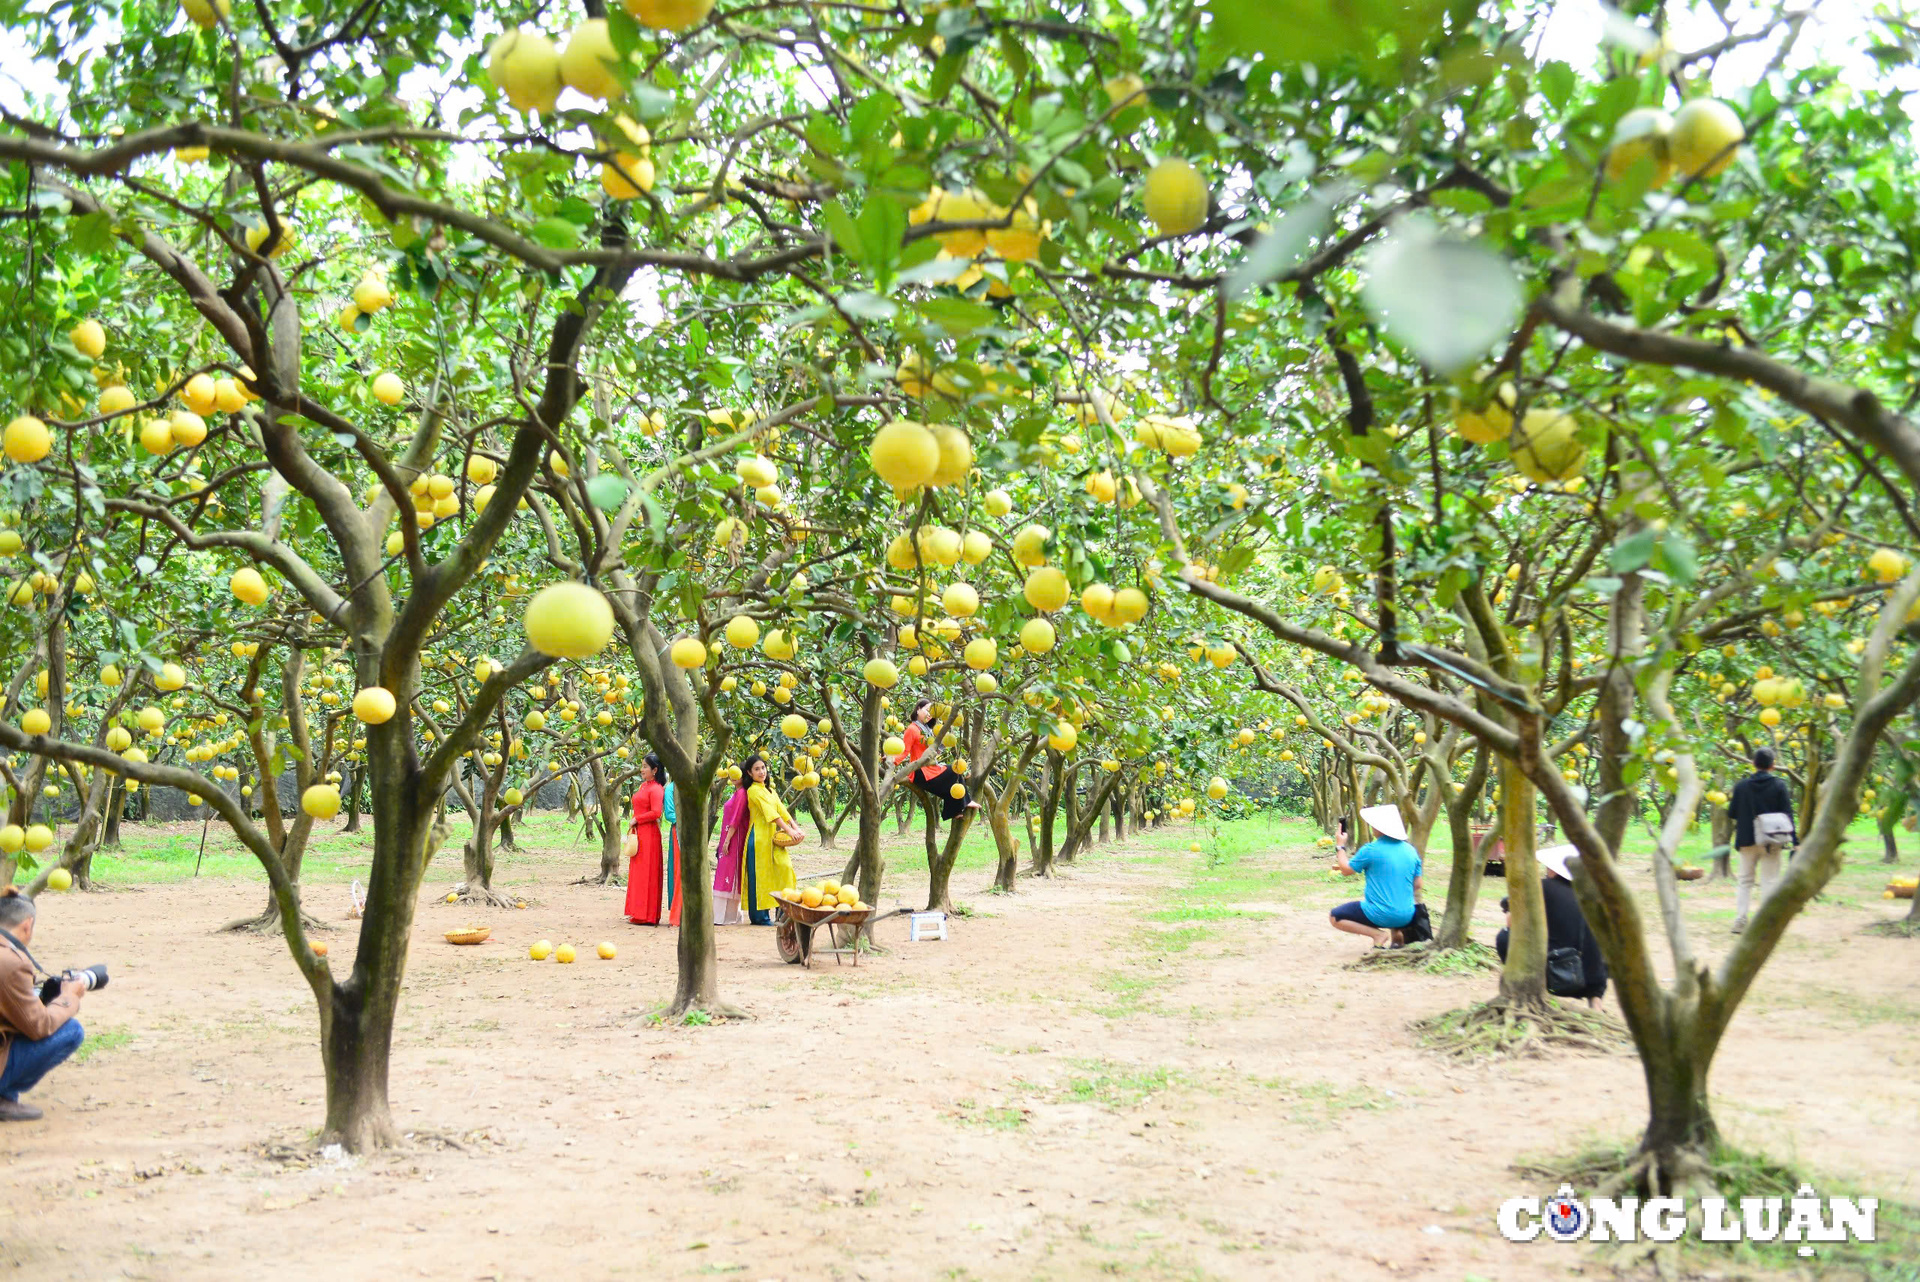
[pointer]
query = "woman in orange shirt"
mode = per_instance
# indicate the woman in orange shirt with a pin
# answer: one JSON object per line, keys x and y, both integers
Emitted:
{"x": 929, "y": 776}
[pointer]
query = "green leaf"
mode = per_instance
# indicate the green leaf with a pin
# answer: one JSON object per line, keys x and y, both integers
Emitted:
{"x": 1682, "y": 560}
{"x": 555, "y": 233}
{"x": 845, "y": 233}
{"x": 1448, "y": 300}
{"x": 1281, "y": 249}
{"x": 91, "y": 233}
{"x": 1634, "y": 552}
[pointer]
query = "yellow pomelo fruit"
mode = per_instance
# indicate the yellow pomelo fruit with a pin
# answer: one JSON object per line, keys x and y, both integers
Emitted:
{"x": 563, "y": 954}
{"x": 36, "y": 721}
{"x": 1886, "y": 565}
{"x": 540, "y": 951}
{"x": 116, "y": 400}
{"x": 1097, "y": 601}
{"x": 1547, "y": 449}
{"x": 956, "y": 455}
{"x": 569, "y": 621}
{"x": 151, "y": 720}
{"x": 27, "y": 440}
{"x": 688, "y": 652}
{"x": 1030, "y": 545}
{"x": 204, "y": 13}
{"x": 525, "y": 66}
{"x": 1123, "y": 88}
{"x": 881, "y": 673}
{"x": 1046, "y": 588}
{"x": 387, "y": 388}
{"x": 777, "y": 645}
{"x": 981, "y": 653}
{"x": 975, "y": 547}
{"x": 1064, "y": 737}
{"x": 793, "y": 726}
{"x": 12, "y": 838}
{"x": 670, "y": 15}
{"x": 904, "y": 454}
{"x": 1706, "y": 137}
{"x": 481, "y": 470}
{"x": 630, "y": 173}
{"x": 961, "y": 600}
{"x": 587, "y": 63}
{"x": 1129, "y": 605}
{"x": 89, "y": 339}
{"x": 371, "y": 294}
{"x": 742, "y": 632}
{"x": 1175, "y": 197}
{"x": 1037, "y": 636}
{"x": 199, "y": 394}
{"x": 1216, "y": 787}
{"x": 1642, "y": 132}
{"x": 249, "y": 586}
{"x": 374, "y": 705}
{"x": 961, "y": 207}
{"x": 606, "y": 950}
{"x": 997, "y": 502}
{"x": 59, "y": 879}
{"x": 188, "y": 428}
{"x": 322, "y": 801}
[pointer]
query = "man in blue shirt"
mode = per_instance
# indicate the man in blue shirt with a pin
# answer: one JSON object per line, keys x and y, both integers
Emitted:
{"x": 1392, "y": 869}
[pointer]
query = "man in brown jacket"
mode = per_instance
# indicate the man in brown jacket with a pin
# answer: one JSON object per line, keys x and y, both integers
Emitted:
{"x": 34, "y": 1038}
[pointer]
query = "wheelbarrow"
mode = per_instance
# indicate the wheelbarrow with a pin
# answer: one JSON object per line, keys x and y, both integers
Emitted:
{"x": 794, "y": 925}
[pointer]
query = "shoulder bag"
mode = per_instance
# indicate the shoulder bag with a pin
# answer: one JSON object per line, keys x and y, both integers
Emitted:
{"x": 1566, "y": 973}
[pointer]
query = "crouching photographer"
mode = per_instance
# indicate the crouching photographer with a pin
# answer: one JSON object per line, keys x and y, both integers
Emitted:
{"x": 37, "y": 1025}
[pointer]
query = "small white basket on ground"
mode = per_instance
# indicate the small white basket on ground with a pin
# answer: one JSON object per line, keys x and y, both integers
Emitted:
{"x": 926, "y": 926}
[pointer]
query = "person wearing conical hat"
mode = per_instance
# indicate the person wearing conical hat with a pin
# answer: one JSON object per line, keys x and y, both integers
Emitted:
{"x": 1392, "y": 868}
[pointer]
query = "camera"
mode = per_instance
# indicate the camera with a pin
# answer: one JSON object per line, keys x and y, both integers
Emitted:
{"x": 91, "y": 978}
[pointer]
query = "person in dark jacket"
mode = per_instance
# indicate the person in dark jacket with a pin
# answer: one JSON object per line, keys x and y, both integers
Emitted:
{"x": 1566, "y": 924}
{"x": 1759, "y": 840}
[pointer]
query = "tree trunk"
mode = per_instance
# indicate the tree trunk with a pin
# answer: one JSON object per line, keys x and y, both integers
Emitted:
{"x": 116, "y": 804}
{"x": 356, "y": 1018}
{"x": 1007, "y": 862}
{"x": 1523, "y": 980}
{"x": 1463, "y": 881}
{"x": 940, "y": 866}
{"x": 1049, "y": 807}
{"x": 353, "y": 797}
{"x": 698, "y": 982}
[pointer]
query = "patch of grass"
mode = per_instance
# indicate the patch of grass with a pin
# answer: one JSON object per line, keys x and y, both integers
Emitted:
{"x": 101, "y": 1041}
{"x": 1200, "y": 910}
{"x": 1129, "y": 991}
{"x": 1177, "y": 940}
{"x": 1840, "y": 1004}
{"x": 1318, "y": 1104}
{"x": 995, "y": 1118}
{"x": 1471, "y": 960}
{"x": 1115, "y": 1086}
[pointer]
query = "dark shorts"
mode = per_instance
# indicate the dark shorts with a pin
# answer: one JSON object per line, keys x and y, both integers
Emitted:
{"x": 1352, "y": 911}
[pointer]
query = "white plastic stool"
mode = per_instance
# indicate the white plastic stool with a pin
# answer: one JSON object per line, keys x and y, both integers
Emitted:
{"x": 926, "y": 926}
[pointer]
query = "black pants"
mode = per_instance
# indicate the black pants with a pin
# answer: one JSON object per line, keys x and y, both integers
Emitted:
{"x": 940, "y": 789}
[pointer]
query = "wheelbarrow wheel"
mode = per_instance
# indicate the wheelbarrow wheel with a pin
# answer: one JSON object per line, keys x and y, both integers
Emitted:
{"x": 786, "y": 937}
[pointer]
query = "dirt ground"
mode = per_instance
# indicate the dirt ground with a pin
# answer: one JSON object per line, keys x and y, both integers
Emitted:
{"x": 1070, "y": 1086}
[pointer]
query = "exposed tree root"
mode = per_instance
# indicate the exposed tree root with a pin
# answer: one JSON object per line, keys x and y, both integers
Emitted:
{"x": 694, "y": 1014}
{"x": 1896, "y": 928}
{"x": 1471, "y": 958}
{"x": 268, "y": 923}
{"x": 606, "y": 878}
{"x": 468, "y": 892}
{"x": 1495, "y": 1029}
